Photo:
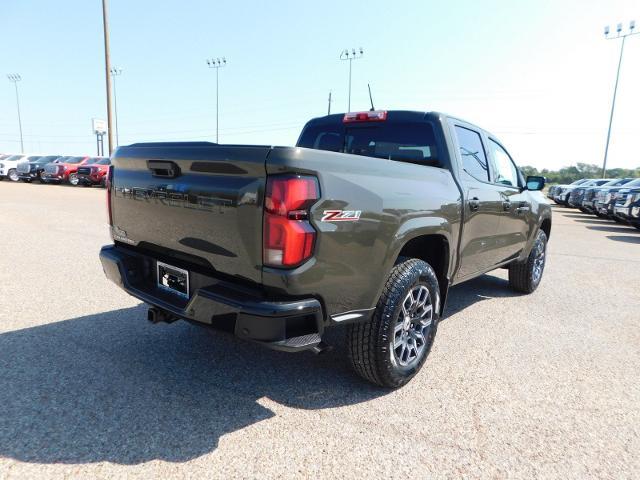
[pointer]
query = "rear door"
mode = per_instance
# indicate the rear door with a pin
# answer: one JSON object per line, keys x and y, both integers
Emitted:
{"x": 516, "y": 220}
{"x": 483, "y": 203}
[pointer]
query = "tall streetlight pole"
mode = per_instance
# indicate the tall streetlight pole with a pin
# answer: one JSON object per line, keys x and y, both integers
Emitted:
{"x": 107, "y": 69}
{"x": 114, "y": 73}
{"x": 619, "y": 34}
{"x": 217, "y": 64}
{"x": 15, "y": 78}
{"x": 351, "y": 56}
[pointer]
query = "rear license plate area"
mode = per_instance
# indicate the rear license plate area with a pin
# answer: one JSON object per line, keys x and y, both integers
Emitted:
{"x": 173, "y": 279}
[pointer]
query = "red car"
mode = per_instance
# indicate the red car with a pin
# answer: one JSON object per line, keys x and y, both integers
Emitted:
{"x": 94, "y": 172}
{"x": 65, "y": 170}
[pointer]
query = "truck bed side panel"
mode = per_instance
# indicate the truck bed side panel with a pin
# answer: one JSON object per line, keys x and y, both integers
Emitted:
{"x": 397, "y": 201}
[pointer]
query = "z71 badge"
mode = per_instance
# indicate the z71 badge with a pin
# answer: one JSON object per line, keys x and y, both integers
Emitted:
{"x": 341, "y": 215}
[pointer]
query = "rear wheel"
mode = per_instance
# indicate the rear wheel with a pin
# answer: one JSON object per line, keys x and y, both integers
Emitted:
{"x": 390, "y": 349}
{"x": 41, "y": 177}
{"x": 13, "y": 175}
{"x": 525, "y": 276}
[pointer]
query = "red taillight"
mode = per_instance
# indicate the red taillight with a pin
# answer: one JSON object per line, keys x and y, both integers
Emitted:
{"x": 371, "y": 116}
{"x": 288, "y": 235}
{"x": 108, "y": 187}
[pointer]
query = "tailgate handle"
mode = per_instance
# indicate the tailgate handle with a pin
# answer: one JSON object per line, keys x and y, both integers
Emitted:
{"x": 164, "y": 169}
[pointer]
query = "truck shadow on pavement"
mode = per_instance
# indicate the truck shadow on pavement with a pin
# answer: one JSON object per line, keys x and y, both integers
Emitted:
{"x": 613, "y": 228}
{"x": 112, "y": 387}
{"x": 625, "y": 238}
{"x": 473, "y": 291}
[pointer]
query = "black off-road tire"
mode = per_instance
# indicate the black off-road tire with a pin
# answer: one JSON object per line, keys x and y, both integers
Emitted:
{"x": 369, "y": 343}
{"x": 637, "y": 225}
{"x": 522, "y": 276}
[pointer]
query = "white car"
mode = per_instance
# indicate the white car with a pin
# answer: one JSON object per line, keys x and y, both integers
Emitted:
{"x": 9, "y": 166}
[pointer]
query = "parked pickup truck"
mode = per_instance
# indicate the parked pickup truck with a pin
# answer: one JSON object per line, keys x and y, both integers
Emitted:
{"x": 367, "y": 222}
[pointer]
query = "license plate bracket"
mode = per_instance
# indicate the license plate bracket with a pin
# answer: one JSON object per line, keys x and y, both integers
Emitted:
{"x": 173, "y": 279}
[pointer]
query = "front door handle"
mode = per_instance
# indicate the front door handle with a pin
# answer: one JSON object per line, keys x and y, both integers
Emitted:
{"x": 506, "y": 205}
{"x": 474, "y": 204}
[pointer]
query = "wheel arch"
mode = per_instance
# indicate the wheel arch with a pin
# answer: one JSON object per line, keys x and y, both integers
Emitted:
{"x": 435, "y": 249}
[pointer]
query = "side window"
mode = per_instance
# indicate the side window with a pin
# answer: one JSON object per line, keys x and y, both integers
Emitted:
{"x": 474, "y": 160}
{"x": 505, "y": 171}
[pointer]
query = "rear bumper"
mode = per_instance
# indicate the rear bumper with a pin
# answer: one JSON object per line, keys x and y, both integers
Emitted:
{"x": 281, "y": 324}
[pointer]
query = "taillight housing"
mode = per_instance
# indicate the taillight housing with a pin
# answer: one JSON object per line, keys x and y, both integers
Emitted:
{"x": 288, "y": 236}
{"x": 107, "y": 184}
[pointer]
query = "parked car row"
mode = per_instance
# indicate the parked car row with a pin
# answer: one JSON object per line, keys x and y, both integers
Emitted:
{"x": 76, "y": 170}
{"x": 617, "y": 199}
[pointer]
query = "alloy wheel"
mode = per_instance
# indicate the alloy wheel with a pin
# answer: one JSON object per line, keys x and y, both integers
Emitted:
{"x": 412, "y": 326}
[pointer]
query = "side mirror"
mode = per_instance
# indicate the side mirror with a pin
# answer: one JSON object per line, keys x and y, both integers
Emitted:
{"x": 535, "y": 183}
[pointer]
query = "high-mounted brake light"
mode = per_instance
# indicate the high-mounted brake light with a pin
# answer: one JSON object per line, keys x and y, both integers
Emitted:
{"x": 288, "y": 236}
{"x": 371, "y": 116}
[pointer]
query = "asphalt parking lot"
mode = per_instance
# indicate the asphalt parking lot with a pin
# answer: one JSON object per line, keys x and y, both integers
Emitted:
{"x": 544, "y": 385}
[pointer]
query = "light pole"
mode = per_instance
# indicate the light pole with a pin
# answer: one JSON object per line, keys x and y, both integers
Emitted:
{"x": 15, "y": 78}
{"x": 115, "y": 71}
{"x": 217, "y": 64}
{"x": 107, "y": 68}
{"x": 619, "y": 34}
{"x": 351, "y": 56}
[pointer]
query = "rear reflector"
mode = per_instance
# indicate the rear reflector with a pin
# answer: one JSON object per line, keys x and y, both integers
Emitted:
{"x": 288, "y": 236}
{"x": 371, "y": 116}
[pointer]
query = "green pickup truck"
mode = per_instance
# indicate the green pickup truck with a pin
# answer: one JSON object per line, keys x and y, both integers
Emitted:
{"x": 366, "y": 222}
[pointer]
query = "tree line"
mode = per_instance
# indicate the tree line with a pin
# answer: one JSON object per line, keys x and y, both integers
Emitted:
{"x": 581, "y": 170}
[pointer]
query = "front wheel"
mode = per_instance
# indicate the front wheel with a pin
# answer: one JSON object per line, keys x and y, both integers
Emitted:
{"x": 390, "y": 349}
{"x": 525, "y": 276}
{"x": 13, "y": 175}
{"x": 73, "y": 179}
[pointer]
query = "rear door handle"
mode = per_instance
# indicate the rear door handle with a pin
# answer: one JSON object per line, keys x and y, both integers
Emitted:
{"x": 474, "y": 204}
{"x": 163, "y": 168}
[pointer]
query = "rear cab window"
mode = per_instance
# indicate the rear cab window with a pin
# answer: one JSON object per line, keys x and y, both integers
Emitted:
{"x": 412, "y": 142}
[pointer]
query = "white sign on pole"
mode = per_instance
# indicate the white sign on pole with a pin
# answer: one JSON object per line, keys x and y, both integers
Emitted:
{"x": 99, "y": 125}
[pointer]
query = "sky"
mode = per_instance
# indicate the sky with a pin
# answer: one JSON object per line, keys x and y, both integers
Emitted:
{"x": 538, "y": 74}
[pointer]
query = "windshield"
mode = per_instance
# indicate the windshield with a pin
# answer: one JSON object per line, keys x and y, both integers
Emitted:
{"x": 33, "y": 158}
{"x": 409, "y": 142}
{"x": 633, "y": 183}
{"x": 579, "y": 182}
{"x": 104, "y": 161}
{"x": 73, "y": 160}
{"x": 47, "y": 159}
{"x": 13, "y": 158}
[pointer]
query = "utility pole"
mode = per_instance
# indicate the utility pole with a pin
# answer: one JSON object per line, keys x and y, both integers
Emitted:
{"x": 114, "y": 73}
{"x": 350, "y": 56}
{"x": 217, "y": 64}
{"x": 15, "y": 78}
{"x": 619, "y": 34}
{"x": 107, "y": 69}
{"x": 329, "y": 107}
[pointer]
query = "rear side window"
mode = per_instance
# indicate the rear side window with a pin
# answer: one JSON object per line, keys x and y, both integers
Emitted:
{"x": 408, "y": 142}
{"x": 474, "y": 159}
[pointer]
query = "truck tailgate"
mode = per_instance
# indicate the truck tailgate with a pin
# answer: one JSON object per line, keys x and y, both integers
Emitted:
{"x": 198, "y": 202}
